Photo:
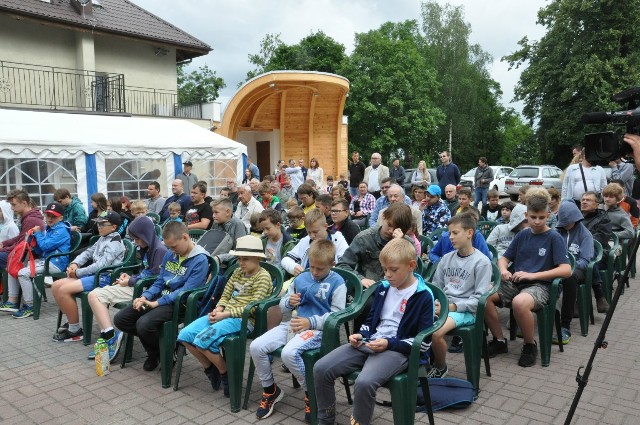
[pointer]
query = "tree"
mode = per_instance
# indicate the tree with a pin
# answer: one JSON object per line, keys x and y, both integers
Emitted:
{"x": 268, "y": 46}
{"x": 590, "y": 51}
{"x": 199, "y": 86}
{"x": 520, "y": 146}
{"x": 391, "y": 103}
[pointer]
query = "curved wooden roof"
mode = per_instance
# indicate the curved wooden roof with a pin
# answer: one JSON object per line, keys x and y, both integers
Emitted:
{"x": 306, "y": 107}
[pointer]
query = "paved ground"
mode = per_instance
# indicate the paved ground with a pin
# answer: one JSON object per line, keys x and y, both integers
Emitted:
{"x": 44, "y": 382}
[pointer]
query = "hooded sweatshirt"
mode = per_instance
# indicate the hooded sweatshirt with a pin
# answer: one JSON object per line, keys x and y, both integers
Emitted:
{"x": 502, "y": 235}
{"x": 579, "y": 239}
{"x": 28, "y": 221}
{"x": 52, "y": 240}
{"x": 9, "y": 229}
{"x": 178, "y": 275}
{"x": 154, "y": 251}
{"x": 75, "y": 214}
{"x": 107, "y": 251}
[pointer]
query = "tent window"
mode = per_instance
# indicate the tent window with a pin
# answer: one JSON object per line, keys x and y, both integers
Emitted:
{"x": 215, "y": 173}
{"x": 131, "y": 177}
{"x": 39, "y": 177}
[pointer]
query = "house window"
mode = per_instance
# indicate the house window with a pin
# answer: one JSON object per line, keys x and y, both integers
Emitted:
{"x": 131, "y": 177}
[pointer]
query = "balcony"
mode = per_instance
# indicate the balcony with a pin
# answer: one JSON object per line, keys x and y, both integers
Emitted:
{"x": 44, "y": 87}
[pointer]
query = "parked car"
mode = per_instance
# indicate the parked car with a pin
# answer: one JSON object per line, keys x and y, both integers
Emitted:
{"x": 534, "y": 175}
{"x": 500, "y": 174}
{"x": 407, "y": 178}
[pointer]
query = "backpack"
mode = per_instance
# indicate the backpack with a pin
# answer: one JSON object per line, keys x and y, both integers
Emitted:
{"x": 17, "y": 257}
{"x": 447, "y": 392}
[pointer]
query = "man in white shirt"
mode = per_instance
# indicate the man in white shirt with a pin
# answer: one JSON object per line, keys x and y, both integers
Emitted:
{"x": 374, "y": 174}
{"x": 295, "y": 173}
{"x": 247, "y": 206}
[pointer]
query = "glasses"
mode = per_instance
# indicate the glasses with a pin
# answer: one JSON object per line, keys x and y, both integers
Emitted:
{"x": 337, "y": 211}
{"x": 104, "y": 224}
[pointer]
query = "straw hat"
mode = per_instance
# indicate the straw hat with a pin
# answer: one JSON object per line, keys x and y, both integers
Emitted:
{"x": 248, "y": 246}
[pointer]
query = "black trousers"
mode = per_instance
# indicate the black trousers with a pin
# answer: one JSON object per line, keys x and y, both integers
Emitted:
{"x": 145, "y": 324}
{"x": 569, "y": 295}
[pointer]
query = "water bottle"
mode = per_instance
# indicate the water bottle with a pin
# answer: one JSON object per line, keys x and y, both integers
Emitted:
{"x": 101, "y": 350}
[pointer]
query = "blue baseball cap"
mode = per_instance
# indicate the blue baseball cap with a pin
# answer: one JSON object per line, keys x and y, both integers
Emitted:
{"x": 434, "y": 190}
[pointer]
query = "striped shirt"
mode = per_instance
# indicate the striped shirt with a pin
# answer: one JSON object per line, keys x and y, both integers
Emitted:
{"x": 241, "y": 290}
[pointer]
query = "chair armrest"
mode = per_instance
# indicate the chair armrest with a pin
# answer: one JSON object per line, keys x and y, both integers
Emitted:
{"x": 554, "y": 291}
{"x": 49, "y": 257}
{"x": 105, "y": 269}
{"x": 482, "y": 302}
{"x": 141, "y": 285}
{"x": 191, "y": 312}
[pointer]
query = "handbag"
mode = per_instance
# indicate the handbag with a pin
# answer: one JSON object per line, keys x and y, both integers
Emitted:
{"x": 19, "y": 254}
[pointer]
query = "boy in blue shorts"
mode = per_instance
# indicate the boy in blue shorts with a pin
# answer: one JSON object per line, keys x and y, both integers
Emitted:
{"x": 402, "y": 308}
{"x": 107, "y": 250}
{"x": 314, "y": 294}
{"x": 248, "y": 283}
{"x": 463, "y": 275}
{"x": 538, "y": 255}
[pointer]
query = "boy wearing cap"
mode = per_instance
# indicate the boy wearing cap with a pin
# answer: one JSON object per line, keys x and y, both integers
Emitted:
{"x": 248, "y": 283}
{"x": 107, "y": 250}
{"x": 187, "y": 177}
{"x": 436, "y": 214}
{"x": 53, "y": 238}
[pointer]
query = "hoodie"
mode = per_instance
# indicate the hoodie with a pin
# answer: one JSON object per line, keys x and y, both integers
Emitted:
{"x": 9, "y": 229}
{"x": 154, "y": 251}
{"x": 579, "y": 239}
{"x": 107, "y": 251}
{"x": 53, "y": 240}
{"x": 178, "y": 275}
{"x": 620, "y": 223}
{"x": 75, "y": 214}
{"x": 502, "y": 235}
{"x": 28, "y": 221}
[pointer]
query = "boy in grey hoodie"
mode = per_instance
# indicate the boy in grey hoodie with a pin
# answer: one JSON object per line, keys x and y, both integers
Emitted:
{"x": 8, "y": 228}
{"x": 620, "y": 221}
{"x": 579, "y": 241}
{"x": 502, "y": 235}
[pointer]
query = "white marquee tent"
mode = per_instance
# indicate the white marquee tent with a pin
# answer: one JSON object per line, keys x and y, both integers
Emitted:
{"x": 115, "y": 155}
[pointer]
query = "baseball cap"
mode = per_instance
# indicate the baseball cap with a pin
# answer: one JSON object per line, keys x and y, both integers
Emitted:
{"x": 188, "y": 163}
{"x": 111, "y": 216}
{"x": 434, "y": 190}
{"x": 54, "y": 208}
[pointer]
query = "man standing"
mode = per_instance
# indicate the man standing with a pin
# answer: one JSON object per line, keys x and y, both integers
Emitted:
{"x": 295, "y": 173}
{"x": 356, "y": 173}
{"x": 621, "y": 170}
{"x": 155, "y": 202}
{"x": 247, "y": 206}
{"x": 303, "y": 169}
{"x": 483, "y": 177}
{"x": 187, "y": 177}
{"x": 177, "y": 188}
{"x": 451, "y": 199}
{"x": 397, "y": 172}
{"x": 436, "y": 214}
{"x": 447, "y": 172}
{"x": 374, "y": 174}
{"x": 254, "y": 169}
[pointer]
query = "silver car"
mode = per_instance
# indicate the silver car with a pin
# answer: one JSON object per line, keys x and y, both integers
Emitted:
{"x": 500, "y": 174}
{"x": 546, "y": 176}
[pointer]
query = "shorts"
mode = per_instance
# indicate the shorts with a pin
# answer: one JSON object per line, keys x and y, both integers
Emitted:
{"x": 202, "y": 334}
{"x": 539, "y": 291}
{"x": 87, "y": 282}
{"x": 463, "y": 318}
{"x": 110, "y": 295}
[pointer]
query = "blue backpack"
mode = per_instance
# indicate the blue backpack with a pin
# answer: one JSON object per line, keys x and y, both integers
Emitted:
{"x": 447, "y": 392}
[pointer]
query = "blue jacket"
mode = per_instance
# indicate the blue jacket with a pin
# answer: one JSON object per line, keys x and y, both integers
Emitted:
{"x": 444, "y": 246}
{"x": 176, "y": 277}
{"x": 418, "y": 316}
{"x": 53, "y": 240}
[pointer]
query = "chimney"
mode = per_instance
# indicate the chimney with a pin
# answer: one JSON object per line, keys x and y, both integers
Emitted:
{"x": 83, "y": 7}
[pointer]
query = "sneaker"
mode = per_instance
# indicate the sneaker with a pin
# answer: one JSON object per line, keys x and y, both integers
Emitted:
{"x": 456, "y": 345}
{"x": 268, "y": 401}
{"x": 225, "y": 384}
{"x": 528, "y": 355}
{"x": 213, "y": 374}
{"x": 68, "y": 336}
{"x": 151, "y": 363}
{"x": 496, "y": 346}
{"x": 566, "y": 336}
{"x": 601, "y": 304}
{"x": 92, "y": 355}
{"x": 114, "y": 345}
{"x": 307, "y": 410}
{"x": 24, "y": 312}
{"x": 9, "y": 307}
{"x": 437, "y": 373}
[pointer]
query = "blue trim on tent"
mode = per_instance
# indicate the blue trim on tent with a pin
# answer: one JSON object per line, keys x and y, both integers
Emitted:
{"x": 177, "y": 164}
{"x": 245, "y": 164}
{"x": 92, "y": 175}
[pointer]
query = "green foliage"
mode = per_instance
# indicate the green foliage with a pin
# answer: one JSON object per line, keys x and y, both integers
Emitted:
{"x": 589, "y": 52}
{"x": 268, "y": 46}
{"x": 520, "y": 146}
{"x": 199, "y": 86}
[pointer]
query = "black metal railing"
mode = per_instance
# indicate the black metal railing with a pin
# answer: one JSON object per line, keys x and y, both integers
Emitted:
{"x": 47, "y": 87}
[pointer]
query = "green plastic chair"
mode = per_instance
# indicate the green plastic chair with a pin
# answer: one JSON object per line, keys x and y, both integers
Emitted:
{"x": 494, "y": 254}
{"x": 426, "y": 244}
{"x": 485, "y": 227}
{"x": 233, "y": 344}
{"x": 196, "y": 234}
{"x": 153, "y": 216}
{"x": 354, "y": 288}
{"x": 87, "y": 313}
{"x": 585, "y": 306}
{"x": 38, "y": 281}
{"x": 435, "y": 235}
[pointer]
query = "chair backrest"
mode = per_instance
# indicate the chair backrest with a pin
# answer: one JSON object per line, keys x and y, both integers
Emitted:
{"x": 426, "y": 244}
{"x": 76, "y": 239}
{"x": 485, "y": 227}
{"x": 419, "y": 266}
{"x": 354, "y": 286}
{"x": 130, "y": 252}
{"x": 494, "y": 253}
{"x": 277, "y": 276}
{"x": 572, "y": 261}
{"x": 598, "y": 251}
{"x": 158, "y": 230}
{"x": 153, "y": 216}
{"x": 196, "y": 234}
{"x": 435, "y": 235}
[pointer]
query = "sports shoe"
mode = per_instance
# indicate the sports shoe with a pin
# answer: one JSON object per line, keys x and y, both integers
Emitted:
{"x": 24, "y": 312}
{"x": 456, "y": 345}
{"x": 64, "y": 327}
{"x": 496, "y": 346}
{"x": 528, "y": 355}
{"x": 68, "y": 336}
{"x": 224, "y": 378}
{"x": 307, "y": 410}
{"x": 9, "y": 307}
{"x": 114, "y": 345}
{"x": 601, "y": 305}
{"x": 92, "y": 355}
{"x": 213, "y": 374}
{"x": 566, "y": 336}
{"x": 438, "y": 373}
{"x": 268, "y": 401}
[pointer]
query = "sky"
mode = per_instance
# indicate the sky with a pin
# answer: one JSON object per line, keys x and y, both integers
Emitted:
{"x": 235, "y": 28}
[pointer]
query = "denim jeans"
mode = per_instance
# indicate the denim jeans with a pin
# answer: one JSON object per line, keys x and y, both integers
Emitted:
{"x": 480, "y": 195}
